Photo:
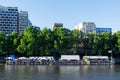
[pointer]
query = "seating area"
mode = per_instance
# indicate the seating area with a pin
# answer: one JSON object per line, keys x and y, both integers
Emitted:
{"x": 31, "y": 60}
{"x": 46, "y": 60}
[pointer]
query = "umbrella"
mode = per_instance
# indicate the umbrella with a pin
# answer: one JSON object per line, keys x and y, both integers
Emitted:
{"x": 22, "y": 58}
{"x": 8, "y": 58}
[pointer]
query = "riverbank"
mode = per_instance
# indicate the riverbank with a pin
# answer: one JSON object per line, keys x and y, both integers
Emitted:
{"x": 45, "y": 62}
{"x": 64, "y": 60}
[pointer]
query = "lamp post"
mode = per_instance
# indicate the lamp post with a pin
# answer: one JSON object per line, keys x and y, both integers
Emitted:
{"x": 110, "y": 51}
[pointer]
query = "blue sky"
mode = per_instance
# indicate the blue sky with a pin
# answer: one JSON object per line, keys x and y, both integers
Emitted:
{"x": 43, "y": 13}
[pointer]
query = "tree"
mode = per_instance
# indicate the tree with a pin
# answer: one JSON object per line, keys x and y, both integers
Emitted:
{"x": 118, "y": 41}
{"x": 114, "y": 45}
{"x": 28, "y": 42}
{"x": 10, "y": 47}
{"x": 2, "y": 42}
{"x": 16, "y": 42}
{"x": 103, "y": 43}
{"x": 45, "y": 41}
{"x": 78, "y": 42}
{"x": 91, "y": 44}
{"x": 61, "y": 40}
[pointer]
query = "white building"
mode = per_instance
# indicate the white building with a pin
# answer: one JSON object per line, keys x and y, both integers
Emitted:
{"x": 86, "y": 27}
{"x": 23, "y": 20}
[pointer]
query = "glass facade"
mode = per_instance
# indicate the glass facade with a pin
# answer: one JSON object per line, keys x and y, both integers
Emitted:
{"x": 12, "y": 20}
{"x": 23, "y": 20}
{"x": 8, "y": 19}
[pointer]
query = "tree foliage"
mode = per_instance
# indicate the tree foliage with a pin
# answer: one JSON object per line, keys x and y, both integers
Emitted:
{"x": 2, "y": 42}
{"x": 59, "y": 41}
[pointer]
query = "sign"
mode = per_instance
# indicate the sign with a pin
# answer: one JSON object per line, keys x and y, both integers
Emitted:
{"x": 110, "y": 51}
{"x": 100, "y": 30}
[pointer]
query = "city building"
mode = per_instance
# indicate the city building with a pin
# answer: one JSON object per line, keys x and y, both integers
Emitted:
{"x": 23, "y": 21}
{"x": 12, "y": 20}
{"x": 30, "y": 23}
{"x": 101, "y": 30}
{"x": 36, "y": 27}
{"x": 86, "y": 27}
{"x": 8, "y": 19}
{"x": 57, "y": 25}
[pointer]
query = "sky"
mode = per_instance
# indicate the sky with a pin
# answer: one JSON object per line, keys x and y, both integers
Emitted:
{"x": 44, "y": 13}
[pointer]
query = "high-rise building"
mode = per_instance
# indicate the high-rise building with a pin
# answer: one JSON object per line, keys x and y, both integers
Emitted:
{"x": 12, "y": 20}
{"x": 86, "y": 27}
{"x": 30, "y": 23}
{"x": 8, "y": 19}
{"x": 23, "y": 20}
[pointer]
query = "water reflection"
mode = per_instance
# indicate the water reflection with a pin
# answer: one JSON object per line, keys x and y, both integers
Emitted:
{"x": 39, "y": 72}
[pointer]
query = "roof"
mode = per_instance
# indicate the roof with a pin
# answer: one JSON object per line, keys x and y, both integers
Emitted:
{"x": 96, "y": 57}
{"x": 70, "y": 57}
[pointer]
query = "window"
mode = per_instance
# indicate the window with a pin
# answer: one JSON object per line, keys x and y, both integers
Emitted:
{"x": 6, "y": 27}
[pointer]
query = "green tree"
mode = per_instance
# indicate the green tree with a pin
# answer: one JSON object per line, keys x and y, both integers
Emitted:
{"x": 28, "y": 42}
{"x": 10, "y": 47}
{"x": 45, "y": 41}
{"x": 114, "y": 45}
{"x": 118, "y": 41}
{"x": 103, "y": 43}
{"x": 61, "y": 40}
{"x": 91, "y": 44}
{"x": 2, "y": 42}
{"x": 77, "y": 42}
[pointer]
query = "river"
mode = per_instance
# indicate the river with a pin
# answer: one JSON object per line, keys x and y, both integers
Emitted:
{"x": 39, "y": 72}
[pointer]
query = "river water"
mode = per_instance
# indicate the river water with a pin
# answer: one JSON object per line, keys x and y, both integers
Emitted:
{"x": 39, "y": 72}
